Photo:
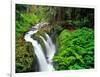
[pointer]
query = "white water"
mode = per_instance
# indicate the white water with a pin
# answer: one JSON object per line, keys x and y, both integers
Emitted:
{"x": 45, "y": 64}
{"x": 50, "y": 47}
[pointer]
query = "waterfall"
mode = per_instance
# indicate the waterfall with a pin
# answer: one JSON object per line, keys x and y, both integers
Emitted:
{"x": 45, "y": 63}
{"x": 50, "y": 47}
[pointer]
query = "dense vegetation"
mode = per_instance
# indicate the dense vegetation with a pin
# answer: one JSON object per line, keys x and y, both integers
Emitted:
{"x": 72, "y": 30}
{"x": 75, "y": 50}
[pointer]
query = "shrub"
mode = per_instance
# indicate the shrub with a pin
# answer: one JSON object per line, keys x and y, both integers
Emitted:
{"x": 76, "y": 50}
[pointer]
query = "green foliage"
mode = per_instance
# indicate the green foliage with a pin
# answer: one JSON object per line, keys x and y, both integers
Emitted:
{"x": 82, "y": 22}
{"x": 47, "y": 13}
{"x": 76, "y": 50}
{"x": 24, "y": 22}
{"x": 24, "y": 57}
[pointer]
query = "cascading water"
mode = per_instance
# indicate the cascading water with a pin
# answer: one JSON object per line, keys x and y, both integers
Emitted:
{"x": 50, "y": 47}
{"x": 45, "y": 63}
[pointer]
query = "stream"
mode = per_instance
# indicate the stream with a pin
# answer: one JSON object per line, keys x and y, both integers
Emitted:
{"x": 44, "y": 60}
